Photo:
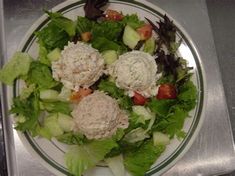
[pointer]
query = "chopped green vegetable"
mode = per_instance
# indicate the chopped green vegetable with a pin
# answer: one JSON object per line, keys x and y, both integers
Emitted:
{"x": 136, "y": 135}
{"x": 63, "y": 22}
{"x": 142, "y": 111}
{"x": 42, "y": 55}
{"x": 133, "y": 21}
{"x": 150, "y": 46}
{"x": 17, "y": 66}
{"x": 84, "y": 25}
{"x": 49, "y": 95}
{"x": 187, "y": 95}
{"x": 110, "y": 87}
{"x": 110, "y": 56}
{"x": 139, "y": 161}
{"x": 54, "y": 55}
{"x": 130, "y": 37}
{"x": 116, "y": 165}
{"x": 66, "y": 122}
{"x": 71, "y": 138}
{"x": 160, "y": 139}
{"x": 40, "y": 75}
{"x": 27, "y": 91}
{"x": 103, "y": 44}
{"x": 58, "y": 106}
{"x": 80, "y": 158}
{"x": 52, "y": 37}
{"x": 111, "y": 30}
{"x": 51, "y": 124}
{"x": 160, "y": 107}
{"x": 29, "y": 108}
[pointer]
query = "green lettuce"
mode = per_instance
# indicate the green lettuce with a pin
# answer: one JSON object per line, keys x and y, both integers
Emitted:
{"x": 138, "y": 162}
{"x": 133, "y": 21}
{"x": 42, "y": 55}
{"x": 110, "y": 87}
{"x": 103, "y": 44}
{"x": 28, "y": 108}
{"x": 58, "y": 106}
{"x": 63, "y": 22}
{"x": 71, "y": 138}
{"x": 111, "y": 30}
{"x": 53, "y": 37}
{"x": 40, "y": 75}
{"x": 17, "y": 66}
{"x": 80, "y": 158}
{"x": 84, "y": 24}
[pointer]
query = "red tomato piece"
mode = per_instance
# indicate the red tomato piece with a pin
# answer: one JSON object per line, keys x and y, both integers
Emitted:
{"x": 77, "y": 96}
{"x": 138, "y": 99}
{"x": 167, "y": 91}
{"x": 145, "y": 31}
{"x": 113, "y": 15}
{"x": 86, "y": 36}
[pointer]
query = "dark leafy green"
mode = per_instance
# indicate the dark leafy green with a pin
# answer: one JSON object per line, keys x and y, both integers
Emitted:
{"x": 110, "y": 87}
{"x": 139, "y": 161}
{"x": 133, "y": 21}
{"x": 53, "y": 37}
{"x": 84, "y": 25}
{"x": 62, "y": 22}
{"x": 111, "y": 30}
{"x": 40, "y": 75}
{"x": 29, "y": 109}
{"x": 58, "y": 106}
{"x": 103, "y": 44}
{"x": 71, "y": 138}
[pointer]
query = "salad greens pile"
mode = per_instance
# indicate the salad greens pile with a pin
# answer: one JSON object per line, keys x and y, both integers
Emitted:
{"x": 43, "y": 107}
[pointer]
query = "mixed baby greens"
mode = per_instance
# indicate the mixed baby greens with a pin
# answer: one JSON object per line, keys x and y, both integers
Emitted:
{"x": 43, "y": 107}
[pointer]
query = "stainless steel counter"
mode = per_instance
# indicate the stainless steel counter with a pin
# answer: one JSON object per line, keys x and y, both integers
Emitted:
{"x": 212, "y": 152}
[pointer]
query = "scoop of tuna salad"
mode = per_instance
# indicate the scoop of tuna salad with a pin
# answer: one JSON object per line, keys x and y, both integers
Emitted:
{"x": 98, "y": 116}
{"x": 80, "y": 65}
{"x": 135, "y": 71}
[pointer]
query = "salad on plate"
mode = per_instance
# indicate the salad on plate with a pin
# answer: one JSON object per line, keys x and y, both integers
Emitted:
{"x": 111, "y": 86}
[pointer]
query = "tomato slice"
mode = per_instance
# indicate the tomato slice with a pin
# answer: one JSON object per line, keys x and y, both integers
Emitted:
{"x": 145, "y": 31}
{"x": 113, "y": 15}
{"x": 167, "y": 91}
{"x": 138, "y": 99}
{"x": 77, "y": 96}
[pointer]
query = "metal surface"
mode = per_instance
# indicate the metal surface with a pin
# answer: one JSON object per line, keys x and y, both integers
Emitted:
{"x": 213, "y": 152}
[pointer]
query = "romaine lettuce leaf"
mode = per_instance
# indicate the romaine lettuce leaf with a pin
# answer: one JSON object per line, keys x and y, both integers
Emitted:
{"x": 58, "y": 106}
{"x": 103, "y": 44}
{"x": 111, "y": 30}
{"x": 52, "y": 37}
{"x": 42, "y": 55}
{"x": 133, "y": 21}
{"x": 84, "y": 25}
{"x": 72, "y": 138}
{"x": 30, "y": 109}
{"x": 161, "y": 107}
{"x": 116, "y": 165}
{"x": 17, "y": 66}
{"x": 139, "y": 161}
{"x": 40, "y": 74}
{"x": 63, "y": 22}
{"x": 80, "y": 158}
{"x": 109, "y": 87}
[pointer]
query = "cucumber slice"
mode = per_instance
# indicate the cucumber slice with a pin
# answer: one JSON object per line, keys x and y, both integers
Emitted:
{"x": 64, "y": 94}
{"x": 110, "y": 56}
{"x": 52, "y": 125}
{"x": 143, "y": 112}
{"x": 49, "y": 95}
{"x": 130, "y": 37}
{"x": 150, "y": 45}
{"x": 160, "y": 139}
{"x": 54, "y": 55}
{"x": 65, "y": 122}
